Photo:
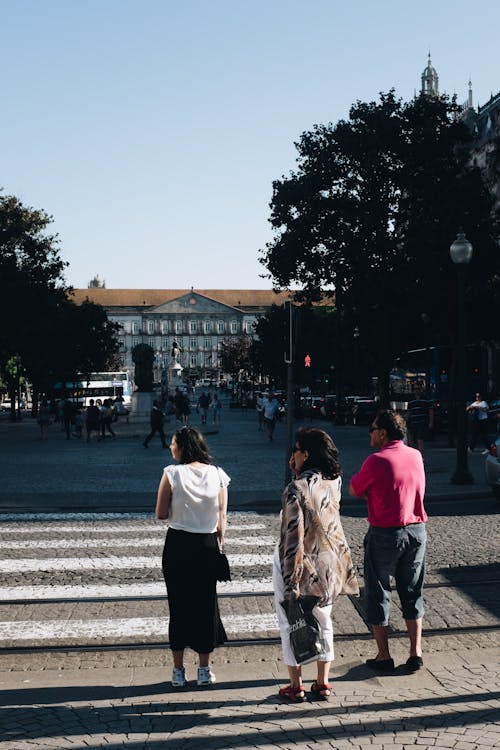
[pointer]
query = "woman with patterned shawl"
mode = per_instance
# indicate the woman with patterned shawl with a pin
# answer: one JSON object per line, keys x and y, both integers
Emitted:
{"x": 312, "y": 557}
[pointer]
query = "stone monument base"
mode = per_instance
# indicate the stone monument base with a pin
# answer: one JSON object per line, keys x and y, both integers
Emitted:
{"x": 141, "y": 405}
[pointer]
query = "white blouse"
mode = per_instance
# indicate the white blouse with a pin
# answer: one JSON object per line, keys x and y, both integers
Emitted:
{"x": 195, "y": 497}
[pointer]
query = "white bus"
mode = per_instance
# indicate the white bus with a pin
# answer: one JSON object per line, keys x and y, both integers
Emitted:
{"x": 107, "y": 385}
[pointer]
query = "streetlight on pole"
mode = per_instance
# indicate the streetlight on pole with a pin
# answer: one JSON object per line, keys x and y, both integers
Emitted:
{"x": 461, "y": 254}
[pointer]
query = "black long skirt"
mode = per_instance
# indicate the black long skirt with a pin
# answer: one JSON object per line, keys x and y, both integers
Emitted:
{"x": 189, "y": 572}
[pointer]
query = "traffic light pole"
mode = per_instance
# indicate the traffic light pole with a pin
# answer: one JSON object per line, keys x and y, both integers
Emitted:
{"x": 289, "y": 308}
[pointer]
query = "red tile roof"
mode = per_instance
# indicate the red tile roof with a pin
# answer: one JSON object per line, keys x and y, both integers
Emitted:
{"x": 154, "y": 297}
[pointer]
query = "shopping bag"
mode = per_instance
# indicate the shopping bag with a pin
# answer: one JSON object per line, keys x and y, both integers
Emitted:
{"x": 304, "y": 630}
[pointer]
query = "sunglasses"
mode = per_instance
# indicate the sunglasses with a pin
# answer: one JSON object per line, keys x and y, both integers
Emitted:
{"x": 373, "y": 428}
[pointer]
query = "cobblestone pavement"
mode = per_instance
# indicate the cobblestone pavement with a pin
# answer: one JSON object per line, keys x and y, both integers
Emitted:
{"x": 92, "y": 581}
{"x": 71, "y": 474}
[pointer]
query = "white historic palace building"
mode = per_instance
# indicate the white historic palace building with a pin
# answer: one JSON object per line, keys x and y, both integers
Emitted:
{"x": 196, "y": 322}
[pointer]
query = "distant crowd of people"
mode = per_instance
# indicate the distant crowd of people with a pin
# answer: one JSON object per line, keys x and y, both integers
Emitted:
{"x": 97, "y": 418}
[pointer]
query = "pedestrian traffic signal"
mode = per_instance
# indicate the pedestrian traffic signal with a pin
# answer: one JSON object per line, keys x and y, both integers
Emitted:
{"x": 307, "y": 361}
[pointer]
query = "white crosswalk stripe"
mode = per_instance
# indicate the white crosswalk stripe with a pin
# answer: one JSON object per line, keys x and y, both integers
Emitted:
{"x": 118, "y": 591}
{"x": 75, "y": 543}
{"x": 112, "y": 562}
{"x": 156, "y": 527}
{"x": 54, "y": 630}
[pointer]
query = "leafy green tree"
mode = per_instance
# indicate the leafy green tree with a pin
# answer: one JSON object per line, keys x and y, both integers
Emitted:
{"x": 333, "y": 368}
{"x": 371, "y": 211}
{"x": 235, "y": 356}
{"x": 46, "y": 335}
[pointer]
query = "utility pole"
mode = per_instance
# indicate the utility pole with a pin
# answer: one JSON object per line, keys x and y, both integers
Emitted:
{"x": 289, "y": 355}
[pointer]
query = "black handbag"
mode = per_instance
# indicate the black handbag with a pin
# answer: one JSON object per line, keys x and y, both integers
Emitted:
{"x": 222, "y": 569}
{"x": 304, "y": 629}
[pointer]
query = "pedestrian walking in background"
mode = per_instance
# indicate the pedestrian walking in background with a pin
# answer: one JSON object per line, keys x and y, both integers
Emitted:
{"x": 259, "y": 405}
{"x": 193, "y": 497}
{"x": 312, "y": 557}
{"x": 78, "y": 423}
{"x": 43, "y": 419}
{"x": 420, "y": 420}
{"x": 203, "y": 404}
{"x": 92, "y": 420}
{"x": 271, "y": 406}
{"x": 68, "y": 414}
{"x": 392, "y": 480}
{"x": 107, "y": 414}
{"x": 479, "y": 427}
{"x": 156, "y": 419}
{"x": 216, "y": 407}
{"x": 185, "y": 408}
{"x": 178, "y": 404}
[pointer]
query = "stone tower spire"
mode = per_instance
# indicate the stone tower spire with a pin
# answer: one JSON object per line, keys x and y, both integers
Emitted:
{"x": 430, "y": 80}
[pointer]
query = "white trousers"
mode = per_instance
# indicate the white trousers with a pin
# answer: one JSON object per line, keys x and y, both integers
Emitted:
{"x": 322, "y": 614}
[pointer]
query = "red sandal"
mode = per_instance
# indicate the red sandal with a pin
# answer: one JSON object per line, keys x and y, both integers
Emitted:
{"x": 321, "y": 692}
{"x": 293, "y": 693}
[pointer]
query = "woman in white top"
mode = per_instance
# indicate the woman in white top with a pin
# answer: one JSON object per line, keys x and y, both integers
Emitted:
{"x": 193, "y": 497}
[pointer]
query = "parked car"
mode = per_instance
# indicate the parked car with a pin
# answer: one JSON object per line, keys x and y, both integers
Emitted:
{"x": 313, "y": 407}
{"x": 330, "y": 407}
{"x": 492, "y": 467}
{"x": 5, "y": 406}
{"x": 364, "y": 411}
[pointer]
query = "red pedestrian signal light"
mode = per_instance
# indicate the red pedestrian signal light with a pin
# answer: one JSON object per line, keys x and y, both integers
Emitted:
{"x": 307, "y": 361}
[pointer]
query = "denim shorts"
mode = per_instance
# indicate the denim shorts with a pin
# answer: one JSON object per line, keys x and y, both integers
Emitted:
{"x": 399, "y": 553}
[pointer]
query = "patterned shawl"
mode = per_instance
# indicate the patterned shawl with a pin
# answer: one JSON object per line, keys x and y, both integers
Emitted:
{"x": 314, "y": 555}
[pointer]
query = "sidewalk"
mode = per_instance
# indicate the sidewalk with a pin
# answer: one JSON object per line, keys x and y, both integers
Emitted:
{"x": 122, "y": 698}
{"x": 453, "y": 703}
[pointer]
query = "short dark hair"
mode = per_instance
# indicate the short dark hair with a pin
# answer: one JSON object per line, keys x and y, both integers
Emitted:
{"x": 192, "y": 446}
{"x": 323, "y": 453}
{"x": 392, "y": 422}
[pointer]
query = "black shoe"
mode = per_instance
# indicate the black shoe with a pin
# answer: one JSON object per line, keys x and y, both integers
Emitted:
{"x": 381, "y": 665}
{"x": 414, "y": 663}
{"x": 145, "y": 445}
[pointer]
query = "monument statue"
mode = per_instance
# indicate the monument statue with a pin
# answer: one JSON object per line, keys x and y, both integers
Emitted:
{"x": 143, "y": 357}
{"x": 175, "y": 352}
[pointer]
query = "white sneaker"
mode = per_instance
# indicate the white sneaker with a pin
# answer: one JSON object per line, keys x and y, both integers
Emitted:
{"x": 178, "y": 677}
{"x": 205, "y": 676}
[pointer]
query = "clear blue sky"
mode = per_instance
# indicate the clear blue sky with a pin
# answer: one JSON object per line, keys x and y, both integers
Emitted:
{"x": 151, "y": 130}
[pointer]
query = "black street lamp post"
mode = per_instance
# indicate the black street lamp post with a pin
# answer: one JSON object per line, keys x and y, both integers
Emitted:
{"x": 461, "y": 254}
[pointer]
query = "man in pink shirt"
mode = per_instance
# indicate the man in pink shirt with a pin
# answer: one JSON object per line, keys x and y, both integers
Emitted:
{"x": 392, "y": 480}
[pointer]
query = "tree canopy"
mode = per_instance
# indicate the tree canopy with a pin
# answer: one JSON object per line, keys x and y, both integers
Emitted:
{"x": 371, "y": 211}
{"x": 46, "y": 335}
